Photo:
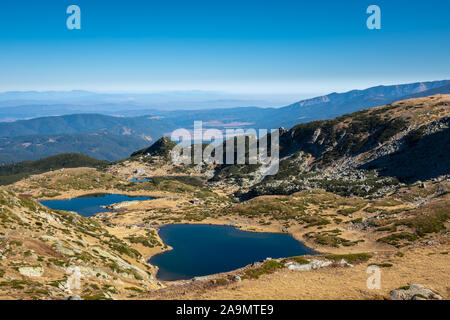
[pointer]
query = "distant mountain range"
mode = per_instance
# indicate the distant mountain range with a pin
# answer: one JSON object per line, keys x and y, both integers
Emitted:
{"x": 30, "y": 104}
{"x": 337, "y": 104}
{"x": 112, "y": 138}
{"x": 97, "y": 145}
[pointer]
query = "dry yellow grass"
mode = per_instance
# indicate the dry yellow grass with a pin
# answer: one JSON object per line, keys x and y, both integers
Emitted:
{"x": 417, "y": 266}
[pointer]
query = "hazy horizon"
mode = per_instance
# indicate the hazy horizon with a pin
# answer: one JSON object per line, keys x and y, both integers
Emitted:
{"x": 288, "y": 49}
{"x": 138, "y": 99}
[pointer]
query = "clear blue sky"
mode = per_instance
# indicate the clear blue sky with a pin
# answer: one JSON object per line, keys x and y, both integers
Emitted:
{"x": 226, "y": 45}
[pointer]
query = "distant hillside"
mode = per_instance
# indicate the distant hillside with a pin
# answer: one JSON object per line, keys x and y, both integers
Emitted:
{"x": 364, "y": 153}
{"x": 113, "y": 138}
{"x": 337, "y": 104}
{"x": 440, "y": 90}
{"x": 83, "y": 123}
{"x": 98, "y": 145}
{"x": 17, "y": 171}
{"x": 159, "y": 123}
{"x": 161, "y": 148}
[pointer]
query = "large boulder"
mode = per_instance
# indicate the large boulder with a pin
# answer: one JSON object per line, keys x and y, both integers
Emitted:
{"x": 414, "y": 292}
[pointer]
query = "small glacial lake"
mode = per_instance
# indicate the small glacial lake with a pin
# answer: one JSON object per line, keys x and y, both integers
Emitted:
{"x": 139, "y": 180}
{"x": 89, "y": 205}
{"x": 200, "y": 250}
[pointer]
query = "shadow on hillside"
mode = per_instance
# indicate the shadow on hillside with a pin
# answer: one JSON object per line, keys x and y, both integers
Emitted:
{"x": 427, "y": 159}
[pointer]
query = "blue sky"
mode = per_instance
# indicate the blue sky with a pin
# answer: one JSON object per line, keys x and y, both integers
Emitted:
{"x": 281, "y": 47}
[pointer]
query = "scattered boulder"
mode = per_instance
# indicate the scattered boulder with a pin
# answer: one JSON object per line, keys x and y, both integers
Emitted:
{"x": 65, "y": 251}
{"x": 317, "y": 264}
{"x": 31, "y": 271}
{"x": 139, "y": 171}
{"x": 237, "y": 279}
{"x": 414, "y": 292}
{"x": 196, "y": 201}
{"x": 88, "y": 272}
{"x": 121, "y": 205}
{"x": 131, "y": 270}
{"x": 204, "y": 278}
{"x": 48, "y": 238}
{"x": 77, "y": 298}
{"x": 346, "y": 264}
{"x": 299, "y": 267}
{"x": 312, "y": 265}
{"x": 441, "y": 190}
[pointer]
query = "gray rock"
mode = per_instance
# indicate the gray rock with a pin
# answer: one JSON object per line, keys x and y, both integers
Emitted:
{"x": 124, "y": 204}
{"x": 64, "y": 250}
{"x": 414, "y": 292}
{"x": 139, "y": 171}
{"x": 29, "y": 271}
{"x": 345, "y": 263}
{"x": 300, "y": 267}
{"x": 313, "y": 265}
{"x": 73, "y": 298}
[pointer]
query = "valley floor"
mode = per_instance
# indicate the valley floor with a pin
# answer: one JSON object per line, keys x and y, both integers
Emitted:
{"x": 323, "y": 221}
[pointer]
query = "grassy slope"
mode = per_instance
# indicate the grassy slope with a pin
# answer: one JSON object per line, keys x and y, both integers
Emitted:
{"x": 17, "y": 171}
{"x": 33, "y": 236}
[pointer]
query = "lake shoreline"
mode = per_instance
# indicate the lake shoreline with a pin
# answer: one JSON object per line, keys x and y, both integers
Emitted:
{"x": 77, "y": 194}
{"x": 302, "y": 246}
{"x": 89, "y": 205}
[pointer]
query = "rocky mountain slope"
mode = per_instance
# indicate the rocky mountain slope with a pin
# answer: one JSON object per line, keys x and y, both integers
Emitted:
{"x": 41, "y": 248}
{"x": 366, "y": 153}
{"x": 161, "y": 147}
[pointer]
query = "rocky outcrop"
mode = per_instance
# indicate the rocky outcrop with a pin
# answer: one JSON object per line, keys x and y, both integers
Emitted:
{"x": 31, "y": 271}
{"x": 120, "y": 205}
{"x": 312, "y": 265}
{"x": 161, "y": 148}
{"x": 65, "y": 251}
{"x": 414, "y": 292}
{"x": 73, "y": 298}
{"x": 420, "y": 155}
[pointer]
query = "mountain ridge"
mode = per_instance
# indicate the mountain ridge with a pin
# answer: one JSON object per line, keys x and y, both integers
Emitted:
{"x": 139, "y": 130}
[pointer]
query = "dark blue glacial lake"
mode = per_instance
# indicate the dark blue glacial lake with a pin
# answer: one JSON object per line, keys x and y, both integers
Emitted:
{"x": 200, "y": 250}
{"x": 89, "y": 205}
{"x": 139, "y": 180}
